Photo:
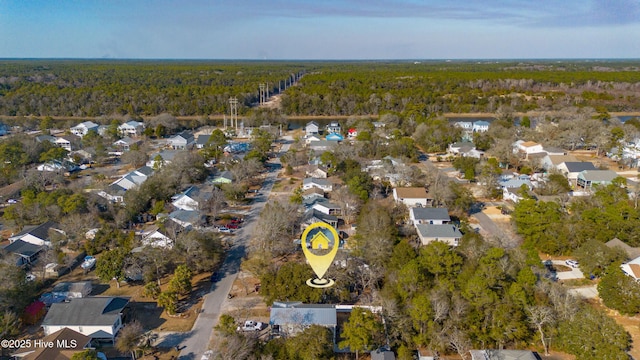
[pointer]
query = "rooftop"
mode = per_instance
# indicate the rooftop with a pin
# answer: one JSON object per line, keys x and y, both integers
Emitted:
{"x": 438, "y": 231}
{"x": 411, "y": 193}
{"x": 430, "y": 214}
{"x": 86, "y": 311}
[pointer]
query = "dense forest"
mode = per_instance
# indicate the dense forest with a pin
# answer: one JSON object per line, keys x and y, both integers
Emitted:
{"x": 93, "y": 88}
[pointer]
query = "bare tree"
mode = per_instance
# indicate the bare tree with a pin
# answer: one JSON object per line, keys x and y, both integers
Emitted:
{"x": 276, "y": 227}
{"x": 246, "y": 170}
{"x": 539, "y": 316}
{"x": 236, "y": 347}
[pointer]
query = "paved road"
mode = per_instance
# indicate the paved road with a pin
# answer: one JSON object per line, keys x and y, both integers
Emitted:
{"x": 195, "y": 342}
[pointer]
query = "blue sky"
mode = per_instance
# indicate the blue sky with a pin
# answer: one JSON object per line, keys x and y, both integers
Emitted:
{"x": 320, "y": 29}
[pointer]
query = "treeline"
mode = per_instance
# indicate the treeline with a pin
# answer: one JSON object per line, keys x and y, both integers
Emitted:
{"x": 182, "y": 88}
{"x": 348, "y": 89}
{"x": 95, "y": 88}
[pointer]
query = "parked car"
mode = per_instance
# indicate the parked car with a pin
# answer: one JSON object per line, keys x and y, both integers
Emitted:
{"x": 224, "y": 229}
{"x": 233, "y": 226}
{"x": 572, "y": 263}
{"x": 30, "y": 277}
{"x": 251, "y": 325}
{"x": 12, "y": 201}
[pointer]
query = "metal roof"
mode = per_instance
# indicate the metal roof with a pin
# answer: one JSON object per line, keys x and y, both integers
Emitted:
{"x": 578, "y": 166}
{"x": 304, "y": 315}
{"x": 430, "y": 214}
{"x": 23, "y": 248}
{"x": 438, "y": 231}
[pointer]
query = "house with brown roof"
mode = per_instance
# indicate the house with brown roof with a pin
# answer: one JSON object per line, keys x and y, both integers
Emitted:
{"x": 412, "y": 196}
{"x": 632, "y": 268}
{"x": 73, "y": 342}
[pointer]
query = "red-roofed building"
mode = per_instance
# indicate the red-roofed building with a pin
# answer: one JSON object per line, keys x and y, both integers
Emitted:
{"x": 352, "y": 133}
{"x": 34, "y": 312}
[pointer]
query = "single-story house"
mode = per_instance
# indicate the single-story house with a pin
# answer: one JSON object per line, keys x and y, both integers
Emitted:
{"x": 550, "y": 162}
{"x": 316, "y": 171}
{"x": 74, "y": 342}
{"x": 57, "y": 166}
{"x": 321, "y": 145}
{"x": 527, "y": 148}
{"x": 83, "y": 128}
{"x": 322, "y": 184}
{"x": 632, "y": 268}
{"x": 191, "y": 199}
{"x": 155, "y": 237}
{"x": 72, "y": 290}
{"x": 202, "y": 141}
{"x": 571, "y": 169}
{"x": 99, "y": 318}
{"x": 125, "y": 143}
{"x": 632, "y": 252}
{"x": 291, "y": 318}
{"x": 446, "y": 233}
{"x": 225, "y": 177}
{"x": 460, "y": 147}
{"x": 555, "y": 151}
{"x": 588, "y": 178}
{"x": 188, "y": 219}
{"x": 502, "y": 355}
{"x": 412, "y": 196}
{"x": 37, "y": 235}
{"x": 131, "y": 128}
{"x": 312, "y": 128}
{"x": 313, "y": 193}
{"x": 429, "y": 215}
{"x": 182, "y": 141}
{"x": 311, "y": 138}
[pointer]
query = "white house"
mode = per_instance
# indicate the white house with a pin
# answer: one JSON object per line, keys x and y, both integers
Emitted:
{"x": 446, "y": 233}
{"x": 291, "y": 318}
{"x": 321, "y": 184}
{"x": 154, "y": 237}
{"x": 99, "y": 318}
{"x": 317, "y": 172}
{"x": 632, "y": 268}
{"x": 191, "y": 199}
{"x": 512, "y": 193}
{"x": 312, "y": 128}
{"x": 131, "y": 128}
{"x": 465, "y": 125}
{"x": 115, "y": 191}
{"x": 551, "y": 162}
{"x": 187, "y": 219}
{"x": 37, "y": 235}
{"x": 571, "y": 169}
{"x": 527, "y": 148}
{"x": 460, "y": 147}
{"x": 589, "y": 178}
{"x": 64, "y": 142}
{"x": 421, "y": 215}
{"x": 125, "y": 143}
{"x": 83, "y": 128}
{"x": 412, "y": 196}
{"x": 182, "y": 141}
{"x": 311, "y": 138}
{"x": 480, "y": 126}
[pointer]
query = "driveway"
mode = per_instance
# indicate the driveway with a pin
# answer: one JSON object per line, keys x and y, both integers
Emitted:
{"x": 196, "y": 341}
{"x": 575, "y": 273}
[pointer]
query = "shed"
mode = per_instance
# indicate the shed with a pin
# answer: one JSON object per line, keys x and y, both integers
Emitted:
{"x": 34, "y": 312}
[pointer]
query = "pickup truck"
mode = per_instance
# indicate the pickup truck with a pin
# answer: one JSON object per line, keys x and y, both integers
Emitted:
{"x": 251, "y": 325}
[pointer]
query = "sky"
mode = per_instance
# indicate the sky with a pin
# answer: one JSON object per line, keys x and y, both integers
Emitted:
{"x": 320, "y": 29}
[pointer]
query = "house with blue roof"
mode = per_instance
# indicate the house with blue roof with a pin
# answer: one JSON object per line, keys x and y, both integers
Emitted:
{"x": 334, "y": 137}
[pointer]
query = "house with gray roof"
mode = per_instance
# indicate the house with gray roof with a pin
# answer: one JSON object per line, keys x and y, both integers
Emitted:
{"x": 291, "y": 318}
{"x": 321, "y": 145}
{"x": 571, "y": 169}
{"x": 187, "y": 219}
{"x": 159, "y": 159}
{"x": 312, "y": 128}
{"x": 446, "y": 233}
{"x": 25, "y": 253}
{"x": 83, "y": 128}
{"x": 131, "y": 128}
{"x": 420, "y": 215}
{"x": 115, "y": 191}
{"x": 192, "y": 198}
{"x": 202, "y": 141}
{"x": 587, "y": 179}
{"x": 125, "y": 143}
{"x": 99, "y": 318}
{"x": 182, "y": 141}
{"x": 313, "y": 216}
{"x": 37, "y": 235}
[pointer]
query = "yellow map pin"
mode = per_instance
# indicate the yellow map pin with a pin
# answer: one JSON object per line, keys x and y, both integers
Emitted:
{"x": 320, "y": 242}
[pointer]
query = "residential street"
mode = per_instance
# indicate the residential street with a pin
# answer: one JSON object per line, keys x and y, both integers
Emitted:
{"x": 197, "y": 340}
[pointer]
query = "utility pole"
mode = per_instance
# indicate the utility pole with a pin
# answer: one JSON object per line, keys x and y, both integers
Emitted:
{"x": 262, "y": 94}
{"x": 233, "y": 108}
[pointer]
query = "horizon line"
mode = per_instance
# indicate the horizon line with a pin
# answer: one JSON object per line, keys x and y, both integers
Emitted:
{"x": 329, "y": 59}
